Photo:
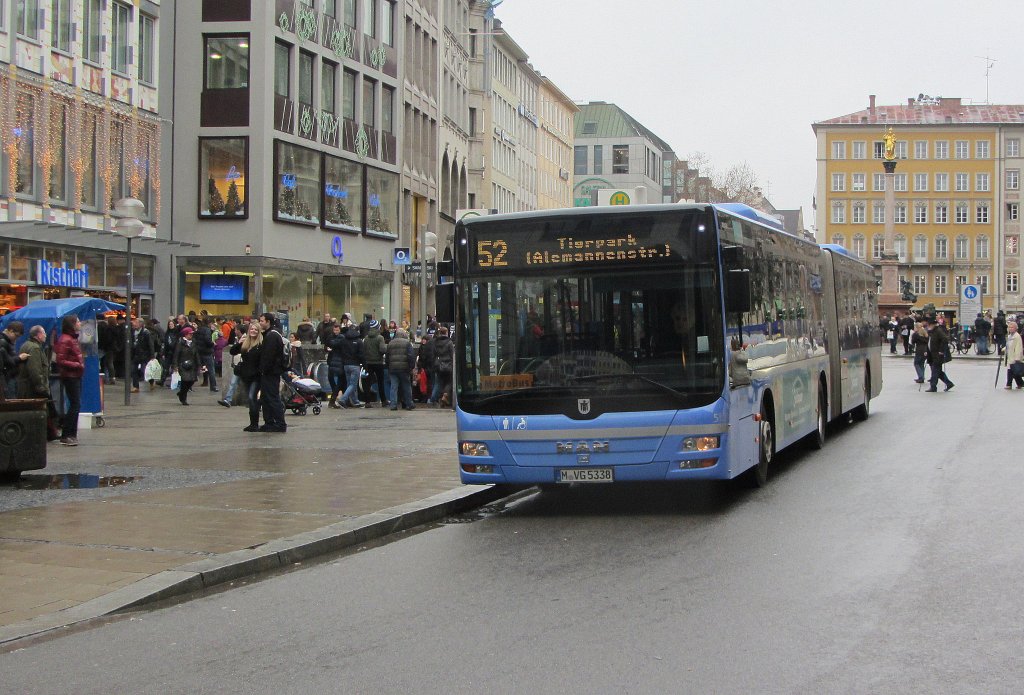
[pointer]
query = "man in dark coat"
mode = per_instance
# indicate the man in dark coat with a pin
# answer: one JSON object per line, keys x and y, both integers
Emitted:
{"x": 325, "y": 329}
{"x": 9, "y": 361}
{"x": 142, "y": 351}
{"x": 271, "y": 369}
{"x": 106, "y": 338}
{"x": 204, "y": 348}
{"x": 400, "y": 363}
{"x": 982, "y": 327}
{"x": 999, "y": 331}
{"x": 938, "y": 346}
{"x": 906, "y": 328}
{"x": 34, "y": 377}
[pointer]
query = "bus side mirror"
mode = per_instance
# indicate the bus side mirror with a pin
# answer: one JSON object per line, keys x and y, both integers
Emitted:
{"x": 737, "y": 291}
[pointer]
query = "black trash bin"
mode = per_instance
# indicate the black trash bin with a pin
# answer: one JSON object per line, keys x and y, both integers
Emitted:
{"x": 22, "y": 436}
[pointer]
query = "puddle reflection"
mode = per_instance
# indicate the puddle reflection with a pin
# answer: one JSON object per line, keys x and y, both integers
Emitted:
{"x": 68, "y": 481}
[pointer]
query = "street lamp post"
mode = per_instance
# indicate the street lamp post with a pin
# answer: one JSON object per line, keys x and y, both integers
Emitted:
{"x": 129, "y": 226}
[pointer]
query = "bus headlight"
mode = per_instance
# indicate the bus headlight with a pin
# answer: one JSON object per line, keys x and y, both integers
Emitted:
{"x": 474, "y": 449}
{"x": 700, "y": 443}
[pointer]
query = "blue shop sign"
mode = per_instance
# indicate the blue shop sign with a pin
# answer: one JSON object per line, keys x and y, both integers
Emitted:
{"x": 333, "y": 190}
{"x": 62, "y": 275}
{"x": 336, "y": 249}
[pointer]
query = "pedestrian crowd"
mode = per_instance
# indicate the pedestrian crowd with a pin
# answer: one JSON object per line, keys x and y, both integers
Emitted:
{"x": 26, "y": 372}
{"x": 376, "y": 359}
{"x": 365, "y": 363}
{"x": 926, "y": 338}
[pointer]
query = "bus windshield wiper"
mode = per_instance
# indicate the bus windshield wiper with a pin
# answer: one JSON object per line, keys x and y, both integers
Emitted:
{"x": 632, "y": 377}
{"x": 531, "y": 391}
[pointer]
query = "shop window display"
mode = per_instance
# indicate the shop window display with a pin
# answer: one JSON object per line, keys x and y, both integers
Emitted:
{"x": 371, "y": 296}
{"x": 94, "y": 263}
{"x": 296, "y": 184}
{"x": 382, "y": 201}
{"x": 343, "y": 194}
{"x": 23, "y": 262}
{"x": 142, "y": 273}
{"x": 288, "y": 291}
{"x": 223, "y": 167}
{"x": 117, "y": 271}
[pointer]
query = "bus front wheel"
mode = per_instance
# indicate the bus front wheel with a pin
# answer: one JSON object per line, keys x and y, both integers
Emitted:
{"x": 758, "y": 475}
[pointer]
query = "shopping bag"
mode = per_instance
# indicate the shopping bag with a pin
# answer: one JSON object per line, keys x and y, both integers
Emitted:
{"x": 175, "y": 381}
{"x": 153, "y": 371}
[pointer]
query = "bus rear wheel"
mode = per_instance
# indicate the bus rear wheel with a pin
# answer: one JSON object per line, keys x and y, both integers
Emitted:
{"x": 816, "y": 439}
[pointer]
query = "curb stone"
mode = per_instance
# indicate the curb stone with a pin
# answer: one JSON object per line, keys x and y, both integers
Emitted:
{"x": 273, "y": 555}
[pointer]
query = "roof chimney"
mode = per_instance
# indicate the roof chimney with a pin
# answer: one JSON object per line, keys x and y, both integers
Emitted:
{"x": 871, "y": 105}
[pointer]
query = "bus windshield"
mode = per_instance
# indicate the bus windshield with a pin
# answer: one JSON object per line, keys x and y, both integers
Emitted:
{"x": 581, "y": 339}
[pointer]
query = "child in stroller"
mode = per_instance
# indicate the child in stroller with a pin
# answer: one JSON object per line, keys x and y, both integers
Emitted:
{"x": 301, "y": 393}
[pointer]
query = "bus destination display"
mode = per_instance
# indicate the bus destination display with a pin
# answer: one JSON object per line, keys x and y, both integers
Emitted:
{"x": 564, "y": 251}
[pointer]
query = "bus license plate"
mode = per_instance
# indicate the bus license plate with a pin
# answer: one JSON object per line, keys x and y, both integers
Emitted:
{"x": 586, "y": 475}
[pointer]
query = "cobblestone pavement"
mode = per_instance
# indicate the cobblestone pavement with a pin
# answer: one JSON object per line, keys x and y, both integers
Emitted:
{"x": 163, "y": 485}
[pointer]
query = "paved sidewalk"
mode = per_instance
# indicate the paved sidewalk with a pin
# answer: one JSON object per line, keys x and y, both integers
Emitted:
{"x": 956, "y": 356}
{"x": 210, "y": 503}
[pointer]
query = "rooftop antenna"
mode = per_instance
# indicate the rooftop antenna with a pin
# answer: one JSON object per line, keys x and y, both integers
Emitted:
{"x": 989, "y": 64}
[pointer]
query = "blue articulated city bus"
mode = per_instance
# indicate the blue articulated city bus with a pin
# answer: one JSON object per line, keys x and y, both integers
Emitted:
{"x": 656, "y": 342}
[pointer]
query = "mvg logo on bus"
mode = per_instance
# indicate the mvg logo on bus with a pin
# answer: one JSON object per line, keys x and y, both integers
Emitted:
{"x": 581, "y": 447}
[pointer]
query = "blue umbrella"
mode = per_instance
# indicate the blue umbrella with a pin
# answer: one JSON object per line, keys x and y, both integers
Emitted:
{"x": 49, "y": 313}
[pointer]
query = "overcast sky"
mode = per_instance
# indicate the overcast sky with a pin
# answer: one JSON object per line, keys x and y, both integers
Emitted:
{"x": 742, "y": 80}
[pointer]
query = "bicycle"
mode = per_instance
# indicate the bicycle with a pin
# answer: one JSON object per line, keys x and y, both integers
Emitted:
{"x": 963, "y": 343}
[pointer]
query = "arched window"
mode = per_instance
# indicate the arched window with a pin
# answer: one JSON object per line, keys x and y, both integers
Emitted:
{"x": 839, "y": 240}
{"x": 445, "y": 187}
{"x": 941, "y": 247}
{"x": 877, "y": 246}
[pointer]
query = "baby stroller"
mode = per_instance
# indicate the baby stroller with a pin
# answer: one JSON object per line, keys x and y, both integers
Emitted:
{"x": 301, "y": 393}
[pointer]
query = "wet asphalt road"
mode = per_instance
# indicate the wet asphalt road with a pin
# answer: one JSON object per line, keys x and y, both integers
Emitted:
{"x": 890, "y": 562}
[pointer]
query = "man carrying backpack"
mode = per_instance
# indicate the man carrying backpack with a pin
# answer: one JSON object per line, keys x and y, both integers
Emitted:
{"x": 444, "y": 366}
{"x": 273, "y": 363}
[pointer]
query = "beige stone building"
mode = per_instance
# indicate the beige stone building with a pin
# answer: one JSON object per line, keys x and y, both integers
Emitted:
{"x": 556, "y": 112}
{"x": 957, "y": 194}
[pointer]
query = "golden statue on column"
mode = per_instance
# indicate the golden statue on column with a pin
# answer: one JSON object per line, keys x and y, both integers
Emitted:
{"x": 890, "y": 144}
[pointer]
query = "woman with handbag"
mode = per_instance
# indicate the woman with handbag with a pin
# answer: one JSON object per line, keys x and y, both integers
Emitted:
{"x": 1014, "y": 356}
{"x": 248, "y": 371}
{"x": 186, "y": 363}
